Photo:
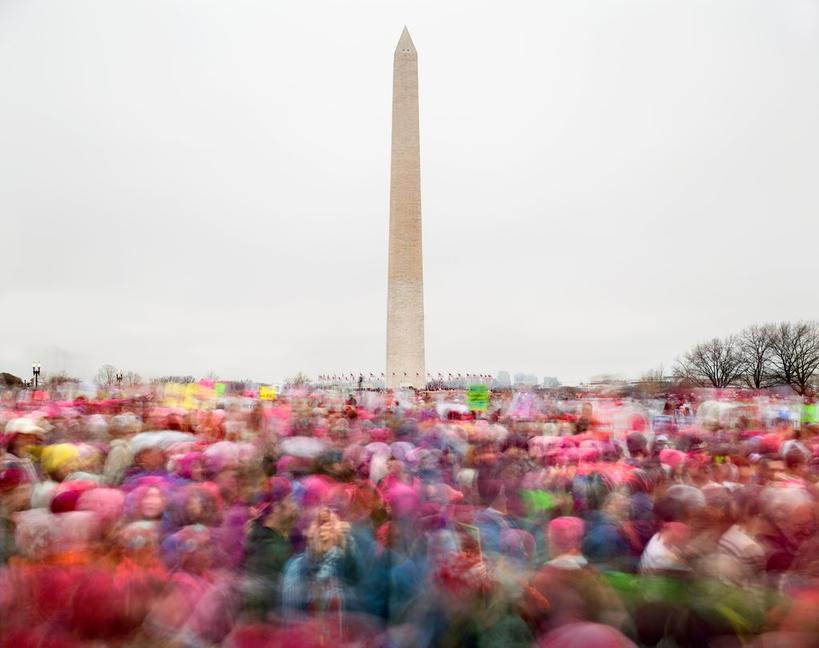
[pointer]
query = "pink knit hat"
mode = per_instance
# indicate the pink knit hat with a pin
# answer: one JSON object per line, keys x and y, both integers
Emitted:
{"x": 565, "y": 533}
{"x": 581, "y": 634}
{"x": 672, "y": 458}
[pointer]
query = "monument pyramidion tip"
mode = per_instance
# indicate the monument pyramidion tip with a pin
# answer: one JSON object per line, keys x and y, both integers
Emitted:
{"x": 405, "y": 44}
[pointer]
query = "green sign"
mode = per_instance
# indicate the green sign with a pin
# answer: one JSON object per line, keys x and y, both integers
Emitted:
{"x": 477, "y": 398}
{"x": 538, "y": 501}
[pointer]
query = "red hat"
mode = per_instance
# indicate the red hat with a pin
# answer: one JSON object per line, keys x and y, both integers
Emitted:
{"x": 65, "y": 501}
{"x": 68, "y": 493}
{"x": 11, "y": 477}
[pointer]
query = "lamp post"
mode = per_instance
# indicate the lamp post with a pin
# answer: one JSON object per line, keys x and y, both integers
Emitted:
{"x": 35, "y": 370}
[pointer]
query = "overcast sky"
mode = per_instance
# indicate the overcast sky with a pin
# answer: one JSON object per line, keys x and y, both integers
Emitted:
{"x": 202, "y": 186}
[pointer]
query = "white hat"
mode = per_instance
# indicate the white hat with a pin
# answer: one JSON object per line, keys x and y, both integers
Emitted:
{"x": 23, "y": 426}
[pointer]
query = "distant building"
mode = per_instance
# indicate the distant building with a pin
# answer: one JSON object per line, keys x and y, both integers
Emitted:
{"x": 526, "y": 380}
{"x": 502, "y": 381}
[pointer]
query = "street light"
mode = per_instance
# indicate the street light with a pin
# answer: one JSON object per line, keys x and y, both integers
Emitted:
{"x": 35, "y": 370}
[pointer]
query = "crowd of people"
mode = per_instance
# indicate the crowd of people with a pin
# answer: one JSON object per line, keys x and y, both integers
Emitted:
{"x": 324, "y": 518}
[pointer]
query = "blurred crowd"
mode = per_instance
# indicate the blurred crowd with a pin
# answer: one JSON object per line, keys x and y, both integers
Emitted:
{"x": 324, "y": 518}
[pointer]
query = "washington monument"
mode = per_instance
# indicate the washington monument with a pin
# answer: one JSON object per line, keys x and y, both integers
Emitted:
{"x": 405, "y": 289}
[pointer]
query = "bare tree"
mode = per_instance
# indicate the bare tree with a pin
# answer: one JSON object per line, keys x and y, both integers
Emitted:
{"x": 54, "y": 380}
{"x": 653, "y": 381}
{"x": 795, "y": 357}
{"x": 10, "y": 380}
{"x": 106, "y": 376}
{"x": 654, "y": 375}
{"x": 717, "y": 362}
{"x": 173, "y": 379}
{"x": 132, "y": 379}
{"x": 299, "y": 380}
{"x": 756, "y": 346}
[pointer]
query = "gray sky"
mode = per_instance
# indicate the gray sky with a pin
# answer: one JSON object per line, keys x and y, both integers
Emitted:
{"x": 196, "y": 186}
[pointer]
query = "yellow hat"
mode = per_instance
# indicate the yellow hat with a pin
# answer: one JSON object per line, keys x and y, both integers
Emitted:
{"x": 57, "y": 456}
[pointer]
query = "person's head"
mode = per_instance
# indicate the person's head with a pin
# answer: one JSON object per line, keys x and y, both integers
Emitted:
{"x": 196, "y": 504}
{"x": 326, "y": 532}
{"x": 60, "y": 460}
{"x": 800, "y": 524}
{"x": 190, "y": 466}
{"x": 151, "y": 459}
{"x": 394, "y": 467}
{"x": 190, "y": 548}
{"x": 790, "y": 510}
{"x": 139, "y": 539}
{"x": 746, "y": 509}
{"x": 15, "y": 490}
{"x": 21, "y": 434}
{"x": 195, "y": 507}
{"x": 565, "y": 535}
{"x": 672, "y": 515}
{"x": 281, "y": 515}
{"x": 639, "y": 481}
{"x": 796, "y": 461}
{"x": 716, "y": 512}
{"x": 20, "y": 445}
{"x": 490, "y": 490}
{"x": 616, "y": 506}
{"x": 275, "y": 506}
{"x": 229, "y": 485}
{"x": 124, "y": 425}
{"x": 153, "y": 503}
{"x": 636, "y": 444}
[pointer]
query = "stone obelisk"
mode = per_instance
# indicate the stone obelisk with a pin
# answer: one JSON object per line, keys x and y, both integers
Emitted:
{"x": 405, "y": 289}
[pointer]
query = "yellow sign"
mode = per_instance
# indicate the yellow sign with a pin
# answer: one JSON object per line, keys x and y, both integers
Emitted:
{"x": 174, "y": 395}
{"x": 191, "y": 392}
{"x": 267, "y": 392}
